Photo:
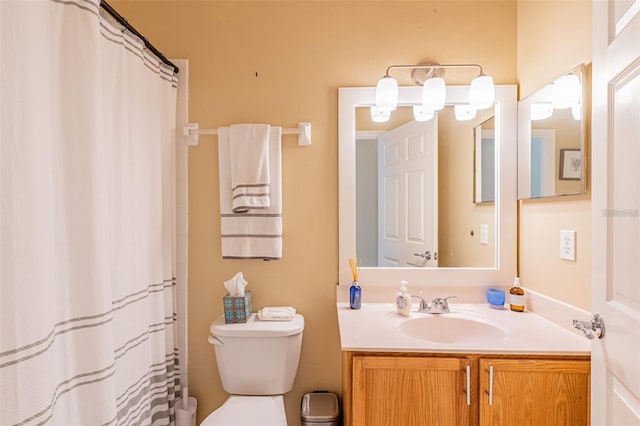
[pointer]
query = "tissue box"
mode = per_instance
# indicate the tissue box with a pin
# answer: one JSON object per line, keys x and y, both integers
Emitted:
{"x": 237, "y": 308}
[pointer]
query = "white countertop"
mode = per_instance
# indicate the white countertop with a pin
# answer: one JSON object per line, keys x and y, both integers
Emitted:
{"x": 376, "y": 328}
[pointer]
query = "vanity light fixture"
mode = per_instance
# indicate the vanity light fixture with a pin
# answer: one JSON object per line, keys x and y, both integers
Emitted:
{"x": 464, "y": 112}
{"x": 431, "y": 78}
{"x": 420, "y": 113}
{"x": 565, "y": 91}
{"x": 434, "y": 93}
{"x": 387, "y": 94}
{"x": 380, "y": 115}
{"x": 541, "y": 110}
{"x": 482, "y": 92}
{"x": 576, "y": 111}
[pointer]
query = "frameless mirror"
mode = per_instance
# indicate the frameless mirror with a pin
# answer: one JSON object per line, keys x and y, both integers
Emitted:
{"x": 446, "y": 236}
{"x": 551, "y": 138}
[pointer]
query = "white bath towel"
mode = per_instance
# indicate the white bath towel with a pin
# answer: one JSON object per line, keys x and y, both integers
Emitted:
{"x": 277, "y": 313}
{"x": 255, "y": 234}
{"x": 249, "y": 166}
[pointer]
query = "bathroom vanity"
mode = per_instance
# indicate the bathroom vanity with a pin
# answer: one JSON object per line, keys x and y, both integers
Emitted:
{"x": 515, "y": 368}
{"x": 475, "y": 365}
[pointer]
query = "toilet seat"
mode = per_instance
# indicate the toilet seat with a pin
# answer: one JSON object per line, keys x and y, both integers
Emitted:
{"x": 248, "y": 411}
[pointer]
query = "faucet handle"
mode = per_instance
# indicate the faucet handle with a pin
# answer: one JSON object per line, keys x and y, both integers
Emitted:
{"x": 423, "y": 305}
{"x": 443, "y": 299}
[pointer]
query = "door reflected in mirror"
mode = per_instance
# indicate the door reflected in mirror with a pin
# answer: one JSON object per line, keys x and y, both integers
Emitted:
{"x": 416, "y": 186}
{"x": 551, "y": 138}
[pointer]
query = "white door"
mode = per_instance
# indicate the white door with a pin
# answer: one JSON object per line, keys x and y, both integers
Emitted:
{"x": 615, "y": 387}
{"x": 543, "y": 162}
{"x": 408, "y": 195}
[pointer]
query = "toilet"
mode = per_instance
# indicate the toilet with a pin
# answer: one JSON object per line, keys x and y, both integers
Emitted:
{"x": 257, "y": 362}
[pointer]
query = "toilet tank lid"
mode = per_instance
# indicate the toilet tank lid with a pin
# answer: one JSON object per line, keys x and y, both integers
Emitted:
{"x": 256, "y": 328}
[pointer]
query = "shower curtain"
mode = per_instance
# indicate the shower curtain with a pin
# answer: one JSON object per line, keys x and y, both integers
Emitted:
{"x": 87, "y": 188}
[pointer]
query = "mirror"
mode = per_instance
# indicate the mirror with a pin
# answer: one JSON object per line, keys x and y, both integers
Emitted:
{"x": 551, "y": 139}
{"x": 414, "y": 191}
{"x": 454, "y": 191}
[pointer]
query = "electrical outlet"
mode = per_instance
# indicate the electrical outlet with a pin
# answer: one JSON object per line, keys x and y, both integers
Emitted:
{"x": 484, "y": 234}
{"x": 568, "y": 245}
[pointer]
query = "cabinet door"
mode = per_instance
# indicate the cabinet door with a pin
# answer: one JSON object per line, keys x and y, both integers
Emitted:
{"x": 408, "y": 391}
{"x": 534, "y": 392}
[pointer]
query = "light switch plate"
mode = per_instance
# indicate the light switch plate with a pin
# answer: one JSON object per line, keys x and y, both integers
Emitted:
{"x": 568, "y": 245}
{"x": 484, "y": 234}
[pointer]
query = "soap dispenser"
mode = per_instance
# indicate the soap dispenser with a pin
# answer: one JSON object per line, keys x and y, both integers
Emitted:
{"x": 516, "y": 296}
{"x": 403, "y": 300}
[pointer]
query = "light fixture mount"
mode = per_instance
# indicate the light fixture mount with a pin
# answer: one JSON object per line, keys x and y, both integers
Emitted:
{"x": 424, "y": 72}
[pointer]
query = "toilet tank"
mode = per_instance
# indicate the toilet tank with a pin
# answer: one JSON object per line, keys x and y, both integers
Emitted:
{"x": 257, "y": 357}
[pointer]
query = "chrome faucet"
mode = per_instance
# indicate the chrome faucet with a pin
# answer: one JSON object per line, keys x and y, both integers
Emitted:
{"x": 439, "y": 305}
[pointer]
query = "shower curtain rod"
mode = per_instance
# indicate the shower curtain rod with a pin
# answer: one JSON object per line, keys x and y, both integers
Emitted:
{"x": 123, "y": 21}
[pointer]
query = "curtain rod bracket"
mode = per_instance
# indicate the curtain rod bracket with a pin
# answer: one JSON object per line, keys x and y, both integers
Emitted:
{"x": 191, "y": 134}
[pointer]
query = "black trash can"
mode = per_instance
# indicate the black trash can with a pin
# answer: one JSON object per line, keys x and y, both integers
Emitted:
{"x": 320, "y": 409}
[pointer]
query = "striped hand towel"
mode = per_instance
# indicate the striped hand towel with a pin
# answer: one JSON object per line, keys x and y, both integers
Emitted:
{"x": 256, "y": 234}
{"x": 249, "y": 166}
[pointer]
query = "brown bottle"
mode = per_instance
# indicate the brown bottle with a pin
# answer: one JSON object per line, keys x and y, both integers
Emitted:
{"x": 516, "y": 296}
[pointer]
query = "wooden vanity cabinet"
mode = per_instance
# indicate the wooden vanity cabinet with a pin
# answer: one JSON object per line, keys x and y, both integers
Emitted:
{"x": 406, "y": 390}
{"x": 534, "y": 392}
{"x": 403, "y": 389}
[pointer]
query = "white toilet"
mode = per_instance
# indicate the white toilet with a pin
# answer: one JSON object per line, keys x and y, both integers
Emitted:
{"x": 257, "y": 362}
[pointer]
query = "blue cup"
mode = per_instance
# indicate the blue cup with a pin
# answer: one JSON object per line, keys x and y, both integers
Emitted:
{"x": 496, "y": 298}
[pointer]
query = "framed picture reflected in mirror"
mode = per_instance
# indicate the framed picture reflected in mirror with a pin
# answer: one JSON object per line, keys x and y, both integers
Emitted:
{"x": 570, "y": 164}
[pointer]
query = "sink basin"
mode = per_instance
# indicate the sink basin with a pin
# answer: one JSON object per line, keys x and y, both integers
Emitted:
{"x": 452, "y": 329}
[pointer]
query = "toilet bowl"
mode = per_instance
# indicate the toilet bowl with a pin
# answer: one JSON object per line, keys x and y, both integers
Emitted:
{"x": 249, "y": 411}
{"x": 257, "y": 362}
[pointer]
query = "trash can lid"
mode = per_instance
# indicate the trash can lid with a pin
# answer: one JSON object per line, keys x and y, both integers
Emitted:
{"x": 320, "y": 407}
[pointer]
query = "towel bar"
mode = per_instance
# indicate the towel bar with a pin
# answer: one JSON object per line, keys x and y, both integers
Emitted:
{"x": 192, "y": 131}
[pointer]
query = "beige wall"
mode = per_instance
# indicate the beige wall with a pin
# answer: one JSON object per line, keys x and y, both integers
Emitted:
{"x": 553, "y": 37}
{"x": 302, "y": 52}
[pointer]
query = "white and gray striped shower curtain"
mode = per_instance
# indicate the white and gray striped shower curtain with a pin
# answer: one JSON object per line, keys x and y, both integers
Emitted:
{"x": 87, "y": 318}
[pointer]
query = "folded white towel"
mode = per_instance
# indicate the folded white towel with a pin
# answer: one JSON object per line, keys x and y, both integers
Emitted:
{"x": 289, "y": 309}
{"x": 249, "y": 165}
{"x": 277, "y": 313}
{"x": 256, "y": 234}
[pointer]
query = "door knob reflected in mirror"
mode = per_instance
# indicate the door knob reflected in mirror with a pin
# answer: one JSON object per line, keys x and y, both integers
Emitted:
{"x": 426, "y": 255}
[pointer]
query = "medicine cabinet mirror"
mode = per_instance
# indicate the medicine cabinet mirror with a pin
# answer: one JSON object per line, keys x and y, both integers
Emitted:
{"x": 437, "y": 196}
{"x": 551, "y": 138}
